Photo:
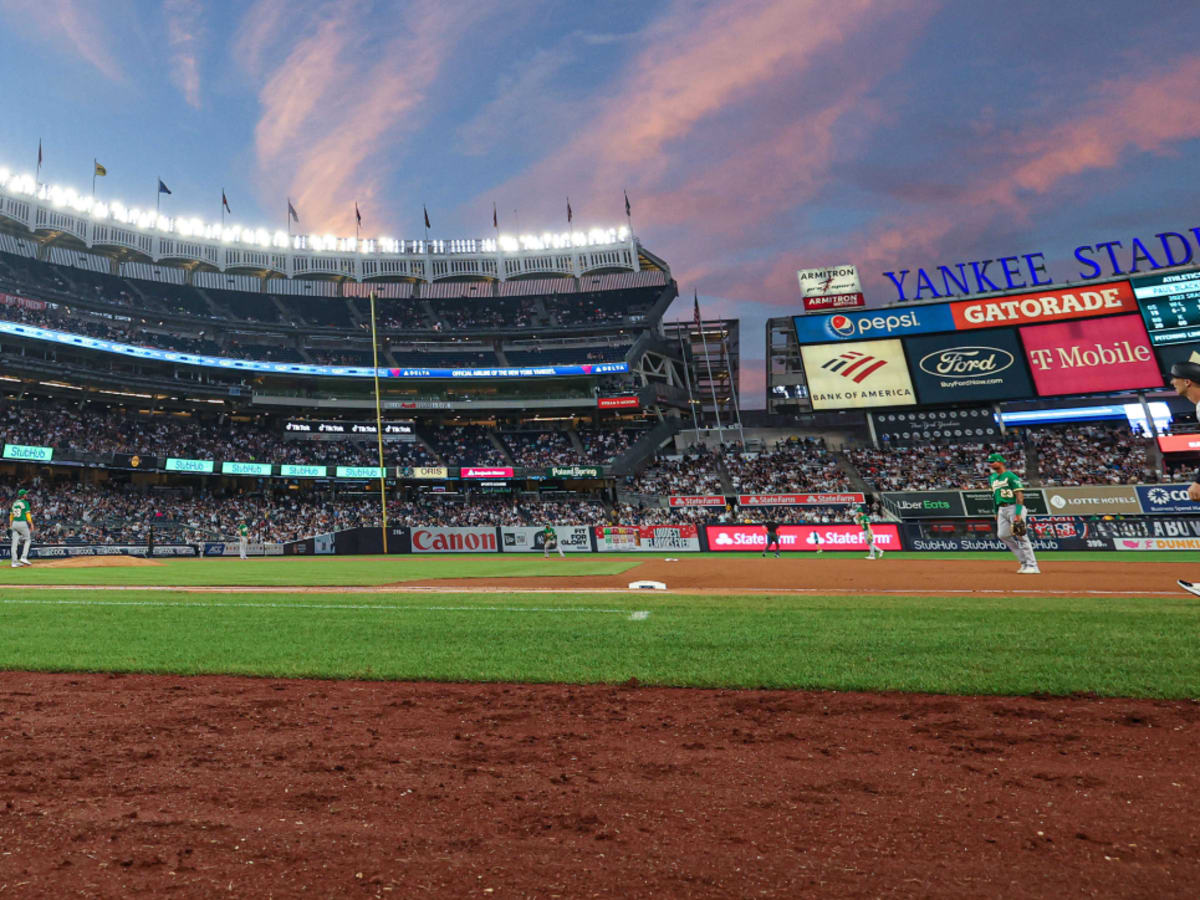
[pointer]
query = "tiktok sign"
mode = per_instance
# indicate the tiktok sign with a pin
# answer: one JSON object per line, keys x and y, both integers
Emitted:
{"x": 1090, "y": 356}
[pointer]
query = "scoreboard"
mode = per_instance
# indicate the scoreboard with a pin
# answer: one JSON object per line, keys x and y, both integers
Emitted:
{"x": 1170, "y": 307}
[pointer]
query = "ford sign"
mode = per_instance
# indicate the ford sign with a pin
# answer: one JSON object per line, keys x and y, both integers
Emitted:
{"x": 966, "y": 361}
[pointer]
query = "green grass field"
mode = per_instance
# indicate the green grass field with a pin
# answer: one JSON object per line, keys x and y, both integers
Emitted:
{"x": 992, "y": 644}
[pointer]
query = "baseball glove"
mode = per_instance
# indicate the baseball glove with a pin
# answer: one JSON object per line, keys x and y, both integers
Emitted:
{"x": 1019, "y": 528}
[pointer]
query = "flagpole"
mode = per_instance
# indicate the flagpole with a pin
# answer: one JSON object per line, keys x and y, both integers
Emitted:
{"x": 38, "y": 176}
{"x": 687, "y": 377}
{"x": 222, "y": 208}
{"x": 157, "y": 196}
{"x": 379, "y": 426}
{"x": 733, "y": 388}
{"x": 93, "y": 178}
{"x": 711, "y": 383}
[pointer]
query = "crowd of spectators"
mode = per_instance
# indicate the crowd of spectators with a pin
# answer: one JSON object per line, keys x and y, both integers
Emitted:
{"x": 794, "y": 465}
{"x": 539, "y": 448}
{"x": 1093, "y": 454}
{"x": 604, "y": 447}
{"x": 466, "y": 445}
{"x": 944, "y": 466}
{"x": 639, "y": 514}
{"x": 695, "y": 471}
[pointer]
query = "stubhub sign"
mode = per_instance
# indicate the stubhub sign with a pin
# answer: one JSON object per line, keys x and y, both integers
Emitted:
{"x": 857, "y": 326}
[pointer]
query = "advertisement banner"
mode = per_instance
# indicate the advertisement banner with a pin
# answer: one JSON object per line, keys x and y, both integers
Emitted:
{"x": 433, "y": 472}
{"x": 832, "y": 287}
{"x": 936, "y": 426}
{"x": 290, "y": 471}
{"x": 695, "y": 500}
{"x": 480, "y": 472}
{"x": 801, "y": 538}
{"x": 574, "y": 472}
{"x": 965, "y": 368}
{"x": 1179, "y": 443}
{"x": 871, "y": 373}
{"x": 834, "y": 301}
{"x": 1166, "y": 498}
{"x": 1047, "y": 306}
{"x": 230, "y": 548}
{"x": 571, "y": 538}
{"x": 202, "y": 466}
{"x": 916, "y": 540}
{"x": 858, "y": 326}
{"x": 647, "y": 539}
{"x": 481, "y": 539}
{"x": 925, "y": 504}
{"x": 22, "y": 302}
{"x": 68, "y": 551}
{"x": 618, "y": 403}
{"x": 245, "y": 468}
{"x": 981, "y": 504}
{"x": 134, "y": 461}
{"x": 28, "y": 452}
{"x": 1091, "y": 501}
{"x": 1155, "y": 543}
{"x": 800, "y": 499}
{"x": 372, "y": 472}
{"x": 1170, "y": 306}
{"x": 1090, "y": 356}
{"x": 313, "y": 426}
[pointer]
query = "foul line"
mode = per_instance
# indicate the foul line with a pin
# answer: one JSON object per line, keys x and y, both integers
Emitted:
{"x": 636, "y": 615}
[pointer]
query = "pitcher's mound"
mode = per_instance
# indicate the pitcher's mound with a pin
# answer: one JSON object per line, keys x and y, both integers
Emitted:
{"x": 96, "y": 562}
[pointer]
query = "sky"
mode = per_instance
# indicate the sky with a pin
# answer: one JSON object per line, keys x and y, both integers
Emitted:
{"x": 755, "y": 137}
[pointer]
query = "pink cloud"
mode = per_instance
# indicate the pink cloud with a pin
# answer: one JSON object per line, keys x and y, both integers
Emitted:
{"x": 80, "y": 23}
{"x": 184, "y": 34}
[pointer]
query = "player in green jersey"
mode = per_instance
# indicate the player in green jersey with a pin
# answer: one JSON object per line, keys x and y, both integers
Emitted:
{"x": 863, "y": 519}
{"x": 550, "y": 542}
{"x": 20, "y": 523}
{"x": 243, "y": 539}
{"x": 1009, "y": 496}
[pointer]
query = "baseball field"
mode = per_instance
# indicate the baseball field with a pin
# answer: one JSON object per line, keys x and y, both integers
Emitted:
{"x": 920, "y": 725}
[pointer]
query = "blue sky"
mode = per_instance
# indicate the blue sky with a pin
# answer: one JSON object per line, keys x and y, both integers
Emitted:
{"x": 755, "y": 137}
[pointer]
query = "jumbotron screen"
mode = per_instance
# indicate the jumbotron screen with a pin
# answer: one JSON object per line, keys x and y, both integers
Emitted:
{"x": 1069, "y": 340}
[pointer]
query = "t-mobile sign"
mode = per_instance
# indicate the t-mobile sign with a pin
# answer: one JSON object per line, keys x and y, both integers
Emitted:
{"x": 801, "y": 538}
{"x": 1090, "y": 355}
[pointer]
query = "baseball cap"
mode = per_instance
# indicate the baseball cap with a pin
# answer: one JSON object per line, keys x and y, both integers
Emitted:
{"x": 1185, "y": 369}
{"x": 997, "y": 457}
{"x": 22, "y": 492}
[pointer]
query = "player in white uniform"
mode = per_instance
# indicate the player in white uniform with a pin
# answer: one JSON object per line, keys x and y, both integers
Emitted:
{"x": 20, "y": 523}
{"x": 1185, "y": 378}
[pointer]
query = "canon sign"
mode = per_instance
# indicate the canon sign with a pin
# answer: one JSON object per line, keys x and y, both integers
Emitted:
{"x": 454, "y": 540}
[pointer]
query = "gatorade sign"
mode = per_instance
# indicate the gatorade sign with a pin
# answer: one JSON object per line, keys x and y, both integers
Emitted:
{"x": 1048, "y": 306}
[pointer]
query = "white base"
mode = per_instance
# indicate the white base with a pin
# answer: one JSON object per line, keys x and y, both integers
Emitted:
{"x": 647, "y": 586}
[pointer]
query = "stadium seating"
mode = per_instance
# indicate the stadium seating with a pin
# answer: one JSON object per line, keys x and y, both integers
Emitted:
{"x": 1093, "y": 454}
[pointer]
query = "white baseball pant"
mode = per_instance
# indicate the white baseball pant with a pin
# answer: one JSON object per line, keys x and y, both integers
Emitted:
{"x": 1021, "y": 547}
{"x": 20, "y": 532}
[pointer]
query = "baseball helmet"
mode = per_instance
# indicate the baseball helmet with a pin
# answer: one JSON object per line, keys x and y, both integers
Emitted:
{"x": 1186, "y": 369}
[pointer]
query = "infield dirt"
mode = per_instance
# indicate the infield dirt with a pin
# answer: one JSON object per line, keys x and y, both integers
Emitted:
{"x": 153, "y": 785}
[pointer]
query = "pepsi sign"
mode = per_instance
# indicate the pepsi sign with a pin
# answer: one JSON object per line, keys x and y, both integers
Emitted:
{"x": 858, "y": 326}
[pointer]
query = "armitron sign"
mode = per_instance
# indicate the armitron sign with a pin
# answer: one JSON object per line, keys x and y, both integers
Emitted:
{"x": 833, "y": 287}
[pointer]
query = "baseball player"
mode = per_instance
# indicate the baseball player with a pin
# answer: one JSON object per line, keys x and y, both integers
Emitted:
{"x": 20, "y": 523}
{"x": 1009, "y": 496}
{"x": 1185, "y": 378}
{"x": 550, "y": 542}
{"x": 863, "y": 520}
{"x": 772, "y": 538}
{"x": 243, "y": 539}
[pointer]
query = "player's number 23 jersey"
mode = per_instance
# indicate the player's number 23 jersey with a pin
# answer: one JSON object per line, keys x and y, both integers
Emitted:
{"x": 1004, "y": 487}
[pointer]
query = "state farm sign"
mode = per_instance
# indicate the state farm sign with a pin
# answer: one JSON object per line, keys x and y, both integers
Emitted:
{"x": 1050, "y": 306}
{"x": 800, "y": 499}
{"x": 801, "y": 538}
{"x": 680, "y": 500}
{"x": 454, "y": 540}
{"x": 1179, "y": 443}
{"x": 1090, "y": 356}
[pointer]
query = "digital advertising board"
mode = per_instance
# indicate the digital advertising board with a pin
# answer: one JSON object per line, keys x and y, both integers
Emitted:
{"x": 830, "y": 288}
{"x": 1170, "y": 306}
{"x": 858, "y": 326}
{"x": 1088, "y": 356}
{"x": 865, "y": 374}
{"x": 1045, "y": 306}
{"x": 967, "y": 367}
